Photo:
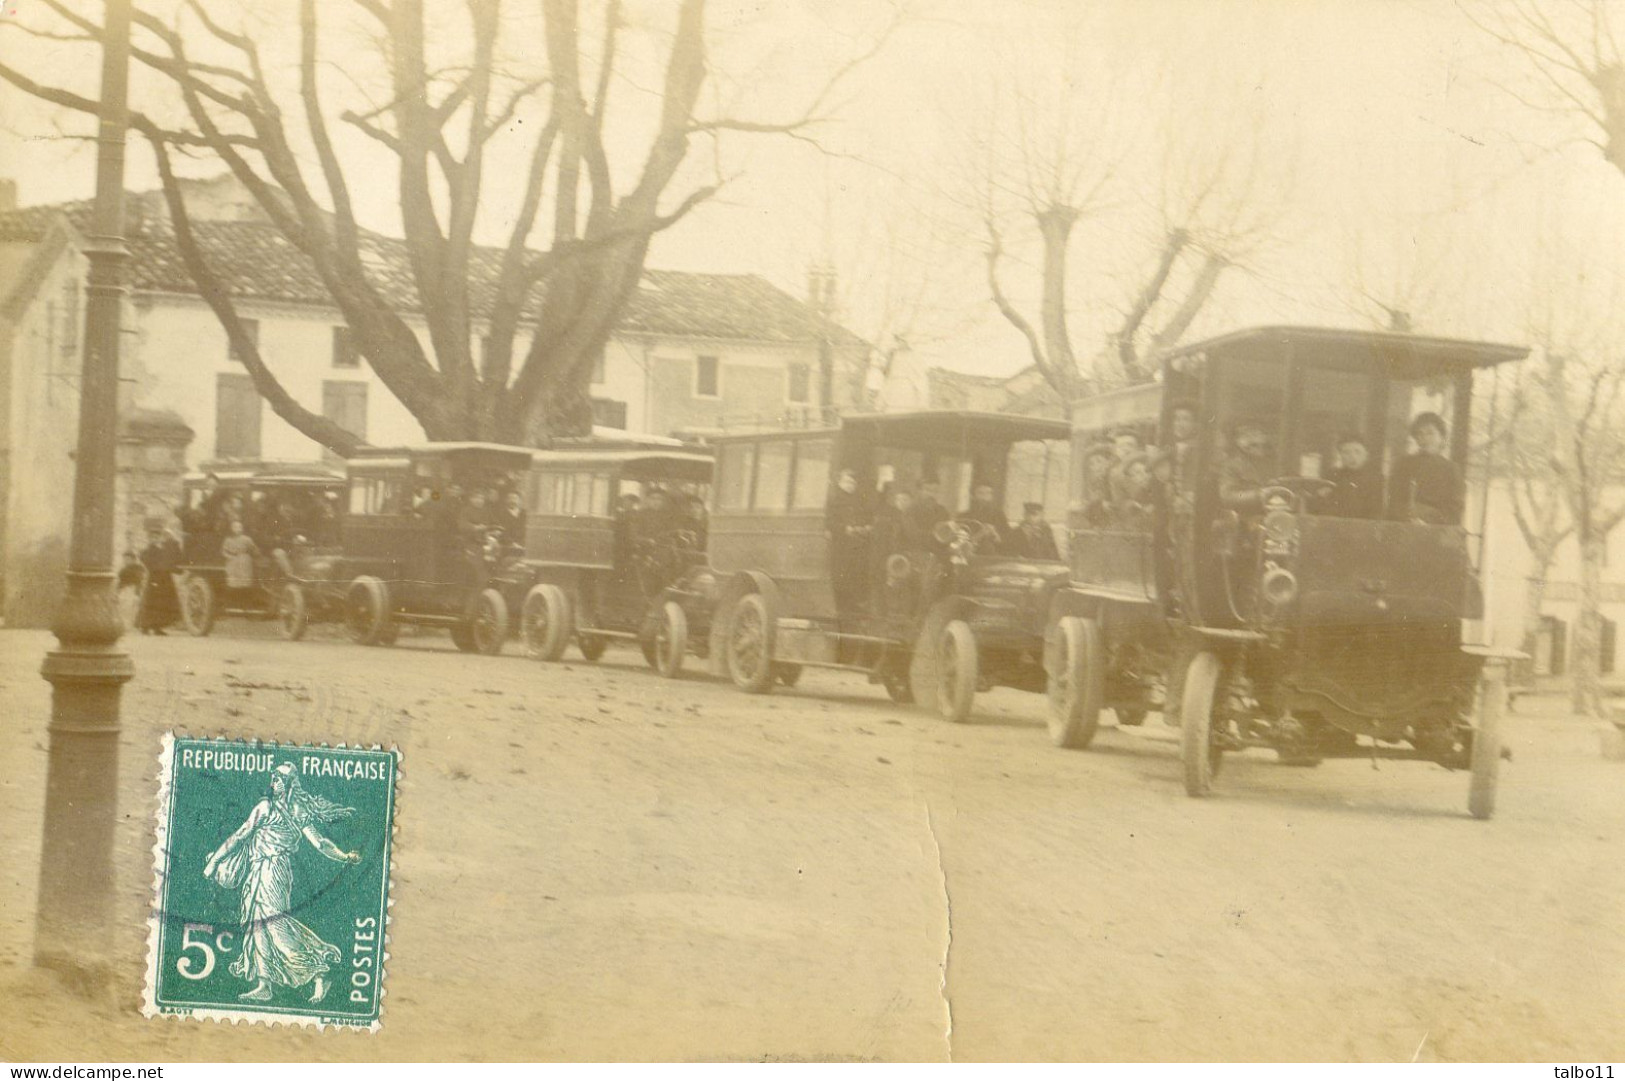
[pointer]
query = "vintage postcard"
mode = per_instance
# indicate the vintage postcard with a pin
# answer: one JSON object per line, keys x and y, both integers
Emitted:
{"x": 271, "y": 882}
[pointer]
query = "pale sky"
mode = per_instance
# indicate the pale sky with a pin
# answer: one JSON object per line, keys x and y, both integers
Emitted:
{"x": 1391, "y": 161}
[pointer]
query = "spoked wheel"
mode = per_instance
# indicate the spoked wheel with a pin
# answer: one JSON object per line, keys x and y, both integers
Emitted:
{"x": 546, "y": 622}
{"x": 1201, "y": 754}
{"x": 592, "y": 646}
{"x": 1073, "y": 656}
{"x": 956, "y": 671}
{"x": 1486, "y": 753}
{"x": 787, "y": 674}
{"x": 367, "y": 611}
{"x": 293, "y": 611}
{"x": 488, "y": 623}
{"x": 668, "y": 647}
{"x": 198, "y": 605}
{"x": 750, "y": 644}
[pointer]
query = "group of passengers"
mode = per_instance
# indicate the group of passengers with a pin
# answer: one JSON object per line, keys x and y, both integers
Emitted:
{"x": 1130, "y": 487}
{"x": 865, "y": 531}
{"x": 475, "y": 515}
{"x": 657, "y": 533}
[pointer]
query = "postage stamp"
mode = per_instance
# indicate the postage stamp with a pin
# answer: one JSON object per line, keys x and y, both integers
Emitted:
{"x": 271, "y": 878}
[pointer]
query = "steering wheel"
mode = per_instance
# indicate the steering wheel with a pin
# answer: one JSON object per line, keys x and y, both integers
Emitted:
{"x": 1295, "y": 490}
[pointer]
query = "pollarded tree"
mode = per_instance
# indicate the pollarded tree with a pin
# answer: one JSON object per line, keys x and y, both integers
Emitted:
{"x": 478, "y": 112}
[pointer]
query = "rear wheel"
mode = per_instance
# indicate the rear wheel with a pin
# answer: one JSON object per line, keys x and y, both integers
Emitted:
{"x": 367, "y": 610}
{"x": 198, "y": 605}
{"x": 956, "y": 671}
{"x": 1073, "y": 656}
{"x": 749, "y": 644}
{"x": 293, "y": 611}
{"x": 667, "y": 649}
{"x": 488, "y": 624}
{"x": 1200, "y": 753}
{"x": 546, "y": 622}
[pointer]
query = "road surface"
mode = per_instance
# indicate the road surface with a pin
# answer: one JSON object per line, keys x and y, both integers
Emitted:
{"x": 592, "y": 862}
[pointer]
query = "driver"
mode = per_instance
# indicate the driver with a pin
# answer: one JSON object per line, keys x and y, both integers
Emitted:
{"x": 982, "y": 509}
{"x": 1246, "y": 472}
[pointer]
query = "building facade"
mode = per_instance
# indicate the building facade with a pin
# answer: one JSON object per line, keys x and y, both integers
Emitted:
{"x": 693, "y": 353}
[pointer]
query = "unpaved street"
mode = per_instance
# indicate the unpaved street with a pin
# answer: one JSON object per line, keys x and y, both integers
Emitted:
{"x": 593, "y": 862}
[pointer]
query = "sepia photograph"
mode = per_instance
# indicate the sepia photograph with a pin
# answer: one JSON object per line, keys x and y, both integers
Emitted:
{"x": 812, "y": 531}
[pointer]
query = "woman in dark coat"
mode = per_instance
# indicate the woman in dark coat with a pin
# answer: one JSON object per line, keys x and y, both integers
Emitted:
{"x": 1426, "y": 486}
{"x": 160, "y": 606}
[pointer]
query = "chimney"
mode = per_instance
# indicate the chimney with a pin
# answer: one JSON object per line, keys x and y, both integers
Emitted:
{"x": 8, "y": 194}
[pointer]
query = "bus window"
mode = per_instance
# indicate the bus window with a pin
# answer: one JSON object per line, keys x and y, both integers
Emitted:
{"x": 812, "y": 474}
{"x": 734, "y": 464}
{"x": 773, "y": 476}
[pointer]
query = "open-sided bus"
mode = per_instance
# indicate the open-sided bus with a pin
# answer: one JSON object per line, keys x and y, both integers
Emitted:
{"x": 289, "y": 511}
{"x": 426, "y": 542}
{"x": 928, "y": 601}
{"x": 610, "y": 527}
{"x": 1280, "y": 592}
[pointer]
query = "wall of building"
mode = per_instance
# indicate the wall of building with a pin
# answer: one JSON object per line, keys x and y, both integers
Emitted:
{"x": 753, "y": 384}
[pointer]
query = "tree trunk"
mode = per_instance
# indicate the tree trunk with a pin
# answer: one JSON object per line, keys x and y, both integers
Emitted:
{"x": 1586, "y": 693}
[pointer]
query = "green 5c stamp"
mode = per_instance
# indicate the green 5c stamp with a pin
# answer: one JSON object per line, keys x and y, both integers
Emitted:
{"x": 271, "y": 882}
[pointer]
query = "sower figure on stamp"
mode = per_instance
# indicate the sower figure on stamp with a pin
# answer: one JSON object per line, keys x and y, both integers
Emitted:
{"x": 257, "y": 861}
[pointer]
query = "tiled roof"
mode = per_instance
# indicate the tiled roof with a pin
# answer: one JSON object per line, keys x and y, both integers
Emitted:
{"x": 256, "y": 262}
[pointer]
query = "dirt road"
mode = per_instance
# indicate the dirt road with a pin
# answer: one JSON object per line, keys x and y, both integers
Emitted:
{"x": 592, "y": 862}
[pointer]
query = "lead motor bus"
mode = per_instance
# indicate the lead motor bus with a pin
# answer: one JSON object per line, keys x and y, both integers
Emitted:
{"x": 930, "y": 604}
{"x": 1268, "y": 599}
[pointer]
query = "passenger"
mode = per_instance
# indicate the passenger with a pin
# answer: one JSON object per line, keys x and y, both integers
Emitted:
{"x": 239, "y": 550}
{"x": 1097, "y": 464}
{"x": 982, "y": 509}
{"x": 928, "y": 509}
{"x": 211, "y": 507}
{"x": 1033, "y": 539}
{"x": 897, "y": 527}
{"x": 510, "y": 519}
{"x": 848, "y": 522}
{"x": 1180, "y": 456}
{"x": 1358, "y": 480}
{"x": 626, "y": 510}
{"x": 1125, "y": 446}
{"x": 1246, "y": 471}
{"x": 1136, "y": 508}
{"x": 1427, "y": 487}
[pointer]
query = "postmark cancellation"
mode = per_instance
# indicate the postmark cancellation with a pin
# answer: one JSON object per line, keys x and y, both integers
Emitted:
{"x": 271, "y": 880}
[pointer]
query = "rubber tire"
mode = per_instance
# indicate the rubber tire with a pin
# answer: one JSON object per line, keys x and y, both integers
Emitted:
{"x": 197, "y": 591}
{"x": 374, "y": 592}
{"x": 669, "y": 647}
{"x": 592, "y": 646}
{"x": 546, "y": 623}
{"x": 1130, "y": 716}
{"x": 1197, "y": 701}
{"x": 488, "y": 623}
{"x": 787, "y": 674}
{"x": 1077, "y": 687}
{"x": 293, "y": 611}
{"x": 1486, "y": 764}
{"x": 758, "y": 680}
{"x": 956, "y": 681}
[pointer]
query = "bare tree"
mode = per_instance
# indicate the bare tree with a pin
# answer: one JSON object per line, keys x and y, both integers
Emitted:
{"x": 1048, "y": 162}
{"x": 455, "y": 87}
{"x": 1537, "y": 502}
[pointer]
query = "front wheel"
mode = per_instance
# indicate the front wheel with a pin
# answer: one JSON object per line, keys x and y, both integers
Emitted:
{"x": 749, "y": 644}
{"x": 367, "y": 610}
{"x": 667, "y": 649}
{"x": 1073, "y": 657}
{"x": 1199, "y": 751}
{"x": 546, "y": 622}
{"x": 488, "y": 623}
{"x": 198, "y": 605}
{"x": 293, "y": 611}
{"x": 956, "y": 671}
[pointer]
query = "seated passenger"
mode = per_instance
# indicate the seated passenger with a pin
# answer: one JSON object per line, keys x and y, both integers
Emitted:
{"x": 982, "y": 509}
{"x": 1358, "y": 480}
{"x": 1427, "y": 487}
{"x": 848, "y": 521}
{"x": 1247, "y": 470}
{"x": 1033, "y": 539}
{"x": 1097, "y": 464}
{"x": 1136, "y": 508}
{"x": 510, "y": 519}
{"x": 1125, "y": 447}
{"x": 928, "y": 508}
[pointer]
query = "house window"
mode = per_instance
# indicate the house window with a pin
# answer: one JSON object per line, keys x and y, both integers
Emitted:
{"x": 236, "y": 417}
{"x": 608, "y": 413}
{"x": 345, "y": 404}
{"x": 345, "y": 354}
{"x": 800, "y": 383}
{"x": 707, "y": 378}
{"x": 251, "y": 327}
